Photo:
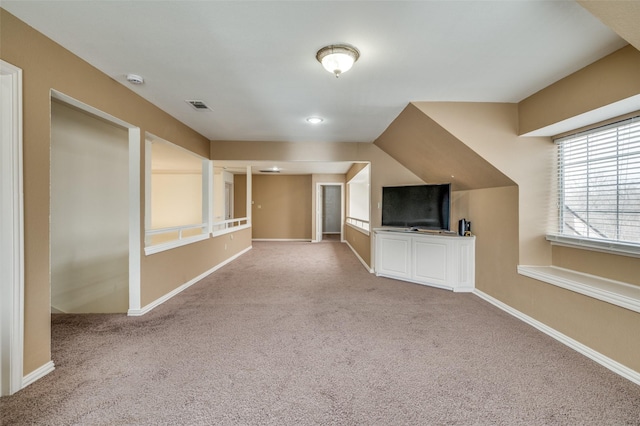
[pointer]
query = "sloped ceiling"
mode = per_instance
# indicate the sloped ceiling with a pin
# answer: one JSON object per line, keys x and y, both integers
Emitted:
{"x": 435, "y": 155}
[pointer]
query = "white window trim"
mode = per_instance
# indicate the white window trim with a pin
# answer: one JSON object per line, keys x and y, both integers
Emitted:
{"x": 556, "y": 237}
{"x": 605, "y": 246}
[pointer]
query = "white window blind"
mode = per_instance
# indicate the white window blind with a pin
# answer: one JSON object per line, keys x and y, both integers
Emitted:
{"x": 599, "y": 184}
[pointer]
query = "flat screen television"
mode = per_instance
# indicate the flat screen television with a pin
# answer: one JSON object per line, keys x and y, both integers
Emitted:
{"x": 417, "y": 206}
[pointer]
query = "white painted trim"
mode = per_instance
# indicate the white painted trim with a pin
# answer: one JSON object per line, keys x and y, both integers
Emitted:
{"x": 301, "y": 240}
{"x": 319, "y": 230}
{"x": 38, "y": 373}
{"x": 603, "y": 246}
{"x": 12, "y": 231}
{"x": 360, "y": 259}
{"x": 173, "y": 244}
{"x": 207, "y": 188}
{"x": 249, "y": 195}
{"x": 229, "y": 230}
{"x": 135, "y": 227}
{"x": 615, "y": 292}
{"x": 161, "y": 300}
{"x": 590, "y": 353}
{"x": 91, "y": 110}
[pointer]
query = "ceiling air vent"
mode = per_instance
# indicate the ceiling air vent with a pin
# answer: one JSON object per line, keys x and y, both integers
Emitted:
{"x": 269, "y": 171}
{"x": 199, "y": 105}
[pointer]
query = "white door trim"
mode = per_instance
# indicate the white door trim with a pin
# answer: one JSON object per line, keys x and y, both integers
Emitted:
{"x": 12, "y": 232}
{"x": 319, "y": 207}
{"x": 135, "y": 233}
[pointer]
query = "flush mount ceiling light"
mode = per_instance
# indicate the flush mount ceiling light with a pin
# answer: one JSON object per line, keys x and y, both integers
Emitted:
{"x": 337, "y": 58}
{"x": 315, "y": 120}
{"x": 274, "y": 169}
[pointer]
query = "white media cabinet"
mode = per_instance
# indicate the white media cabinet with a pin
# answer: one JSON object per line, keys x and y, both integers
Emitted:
{"x": 433, "y": 259}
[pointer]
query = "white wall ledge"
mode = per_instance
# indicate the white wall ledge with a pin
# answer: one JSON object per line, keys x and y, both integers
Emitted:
{"x": 615, "y": 292}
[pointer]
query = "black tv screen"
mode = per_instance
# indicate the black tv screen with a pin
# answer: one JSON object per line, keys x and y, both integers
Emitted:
{"x": 417, "y": 206}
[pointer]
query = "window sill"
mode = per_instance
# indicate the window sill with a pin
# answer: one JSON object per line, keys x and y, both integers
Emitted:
{"x": 173, "y": 244}
{"x": 604, "y": 246}
{"x": 615, "y": 292}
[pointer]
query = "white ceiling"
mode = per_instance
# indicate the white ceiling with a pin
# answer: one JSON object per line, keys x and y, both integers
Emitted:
{"x": 253, "y": 62}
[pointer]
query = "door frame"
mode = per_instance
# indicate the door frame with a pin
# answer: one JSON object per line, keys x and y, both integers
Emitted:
{"x": 319, "y": 209}
{"x": 135, "y": 228}
{"x": 12, "y": 241}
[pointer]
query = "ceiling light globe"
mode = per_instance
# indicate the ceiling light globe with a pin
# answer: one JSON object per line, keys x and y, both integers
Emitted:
{"x": 338, "y": 58}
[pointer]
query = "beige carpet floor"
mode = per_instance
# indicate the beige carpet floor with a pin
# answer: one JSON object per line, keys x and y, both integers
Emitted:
{"x": 302, "y": 334}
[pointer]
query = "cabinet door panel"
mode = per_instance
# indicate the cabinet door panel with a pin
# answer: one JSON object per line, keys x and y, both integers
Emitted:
{"x": 395, "y": 256}
{"x": 430, "y": 262}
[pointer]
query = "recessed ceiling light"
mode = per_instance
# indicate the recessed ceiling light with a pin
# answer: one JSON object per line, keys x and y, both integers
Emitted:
{"x": 315, "y": 120}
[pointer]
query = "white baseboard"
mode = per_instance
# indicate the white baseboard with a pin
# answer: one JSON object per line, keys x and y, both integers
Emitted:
{"x": 161, "y": 300}
{"x": 601, "y": 359}
{"x": 38, "y": 373}
{"x": 303, "y": 240}
{"x": 367, "y": 267}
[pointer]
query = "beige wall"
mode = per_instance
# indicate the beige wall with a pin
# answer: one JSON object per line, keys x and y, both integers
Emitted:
{"x": 361, "y": 243}
{"x": 240, "y": 195}
{"x": 167, "y": 270}
{"x": 510, "y": 222}
{"x": 608, "y": 329}
{"x": 47, "y": 66}
{"x": 354, "y": 170}
{"x": 612, "y": 266}
{"x": 384, "y": 169}
{"x": 489, "y": 129}
{"x": 436, "y": 155}
{"x": 281, "y": 207}
{"x": 507, "y": 219}
{"x": 611, "y": 79}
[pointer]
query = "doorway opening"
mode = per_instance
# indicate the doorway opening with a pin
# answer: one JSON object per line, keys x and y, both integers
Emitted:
{"x": 101, "y": 156}
{"x": 329, "y": 212}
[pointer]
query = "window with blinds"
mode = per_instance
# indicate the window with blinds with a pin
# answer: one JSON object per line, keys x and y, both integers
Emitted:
{"x": 599, "y": 184}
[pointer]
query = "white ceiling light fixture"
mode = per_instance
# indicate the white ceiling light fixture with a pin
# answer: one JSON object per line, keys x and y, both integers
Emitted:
{"x": 315, "y": 120}
{"x": 274, "y": 169}
{"x": 337, "y": 58}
